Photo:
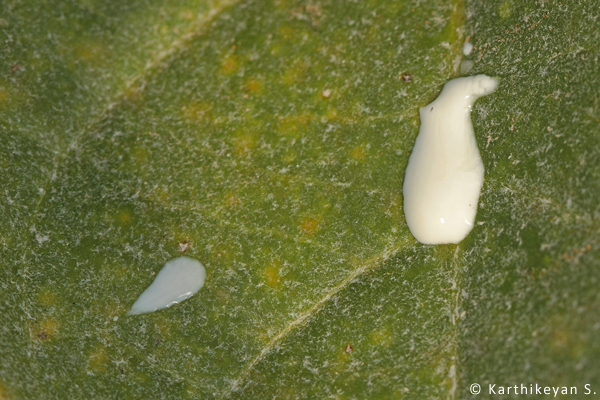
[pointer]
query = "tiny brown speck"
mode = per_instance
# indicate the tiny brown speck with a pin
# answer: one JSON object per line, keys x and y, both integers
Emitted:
{"x": 183, "y": 247}
{"x": 42, "y": 335}
{"x": 348, "y": 349}
{"x": 406, "y": 77}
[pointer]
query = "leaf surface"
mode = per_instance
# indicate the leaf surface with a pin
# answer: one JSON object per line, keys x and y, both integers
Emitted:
{"x": 271, "y": 138}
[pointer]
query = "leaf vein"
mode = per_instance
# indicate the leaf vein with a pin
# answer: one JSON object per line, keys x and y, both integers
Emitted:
{"x": 371, "y": 264}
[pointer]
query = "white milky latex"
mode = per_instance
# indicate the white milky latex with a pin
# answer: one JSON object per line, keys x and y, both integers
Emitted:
{"x": 445, "y": 173}
{"x": 178, "y": 280}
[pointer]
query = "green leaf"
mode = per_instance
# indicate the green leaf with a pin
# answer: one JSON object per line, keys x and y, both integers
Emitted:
{"x": 272, "y": 136}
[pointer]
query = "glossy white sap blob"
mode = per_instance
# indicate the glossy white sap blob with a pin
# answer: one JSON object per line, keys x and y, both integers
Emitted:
{"x": 178, "y": 280}
{"x": 445, "y": 173}
{"x": 467, "y": 48}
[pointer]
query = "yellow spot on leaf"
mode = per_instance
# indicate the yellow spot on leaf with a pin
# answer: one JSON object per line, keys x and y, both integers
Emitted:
{"x": 343, "y": 357}
{"x": 98, "y": 358}
{"x": 505, "y": 9}
{"x": 294, "y": 74}
{"x": 232, "y": 200}
{"x": 133, "y": 95}
{"x": 160, "y": 194}
{"x": 140, "y": 154}
{"x": 565, "y": 341}
{"x": 3, "y": 393}
{"x": 46, "y": 297}
{"x": 187, "y": 14}
{"x": 331, "y": 114}
{"x": 142, "y": 378}
{"x": 112, "y": 310}
{"x": 290, "y": 156}
{"x": 44, "y": 330}
{"x": 244, "y": 144}
{"x": 286, "y": 31}
{"x": 3, "y": 95}
{"x": 310, "y": 225}
{"x": 254, "y": 86}
{"x": 93, "y": 53}
{"x": 393, "y": 207}
{"x": 283, "y": 4}
{"x": 124, "y": 217}
{"x": 197, "y": 111}
{"x": 295, "y": 125}
{"x": 358, "y": 153}
{"x": 229, "y": 65}
{"x": 272, "y": 274}
{"x": 381, "y": 337}
{"x": 220, "y": 254}
{"x": 163, "y": 326}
